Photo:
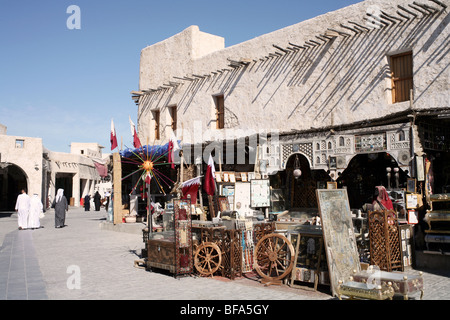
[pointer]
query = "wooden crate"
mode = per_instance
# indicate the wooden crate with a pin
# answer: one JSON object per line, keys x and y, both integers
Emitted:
{"x": 161, "y": 255}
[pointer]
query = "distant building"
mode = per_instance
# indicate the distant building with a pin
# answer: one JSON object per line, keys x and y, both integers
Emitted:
{"x": 26, "y": 163}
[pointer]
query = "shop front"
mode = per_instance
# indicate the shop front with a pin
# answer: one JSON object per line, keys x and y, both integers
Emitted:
{"x": 295, "y": 188}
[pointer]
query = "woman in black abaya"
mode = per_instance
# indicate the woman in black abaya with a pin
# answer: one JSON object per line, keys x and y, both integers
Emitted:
{"x": 97, "y": 202}
{"x": 61, "y": 206}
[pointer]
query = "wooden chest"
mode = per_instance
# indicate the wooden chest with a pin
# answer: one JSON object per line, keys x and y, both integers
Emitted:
{"x": 402, "y": 283}
{"x": 161, "y": 255}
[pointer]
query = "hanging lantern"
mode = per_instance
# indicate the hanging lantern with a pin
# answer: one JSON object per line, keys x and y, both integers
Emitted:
{"x": 297, "y": 172}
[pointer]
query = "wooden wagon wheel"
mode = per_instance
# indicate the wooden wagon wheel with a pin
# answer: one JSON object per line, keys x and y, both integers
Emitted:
{"x": 274, "y": 257}
{"x": 207, "y": 258}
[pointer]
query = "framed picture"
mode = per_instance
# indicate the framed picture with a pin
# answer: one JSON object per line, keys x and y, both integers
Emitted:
{"x": 411, "y": 201}
{"x": 218, "y": 177}
{"x": 260, "y": 193}
{"x": 321, "y": 185}
{"x": 339, "y": 238}
{"x": 331, "y": 185}
{"x": 225, "y": 177}
{"x": 232, "y": 177}
{"x": 420, "y": 168}
{"x": 244, "y": 176}
{"x": 411, "y": 185}
{"x": 412, "y": 217}
{"x": 332, "y": 163}
{"x": 222, "y": 203}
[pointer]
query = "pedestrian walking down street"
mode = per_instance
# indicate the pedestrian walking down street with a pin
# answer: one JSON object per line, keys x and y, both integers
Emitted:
{"x": 97, "y": 201}
{"x": 36, "y": 210}
{"x": 87, "y": 202}
{"x": 23, "y": 209}
{"x": 61, "y": 206}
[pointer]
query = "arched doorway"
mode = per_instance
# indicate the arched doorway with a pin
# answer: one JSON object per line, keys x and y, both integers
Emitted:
{"x": 12, "y": 180}
{"x": 365, "y": 171}
{"x": 302, "y": 189}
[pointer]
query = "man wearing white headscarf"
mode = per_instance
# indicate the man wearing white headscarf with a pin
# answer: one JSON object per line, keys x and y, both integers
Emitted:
{"x": 36, "y": 208}
{"x": 61, "y": 206}
{"x": 23, "y": 209}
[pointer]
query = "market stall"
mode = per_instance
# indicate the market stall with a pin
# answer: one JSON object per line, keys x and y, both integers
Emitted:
{"x": 246, "y": 226}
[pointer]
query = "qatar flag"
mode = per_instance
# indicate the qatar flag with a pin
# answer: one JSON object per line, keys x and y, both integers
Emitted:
{"x": 113, "y": 137}
{"x": 136, "y": 141}
{"x": 173, "y": 147}
{"x": 148, "y": 178}
{"x": 210, "y": 185}
{"x": 190, "y": 187}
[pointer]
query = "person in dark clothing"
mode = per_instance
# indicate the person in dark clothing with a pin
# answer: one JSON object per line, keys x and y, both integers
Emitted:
{"x": 87, "y": 204}
{"x": 61, "y": 206}
{"x": 97, "y": 201}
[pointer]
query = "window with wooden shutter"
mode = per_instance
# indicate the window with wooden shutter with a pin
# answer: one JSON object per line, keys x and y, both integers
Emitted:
{"x": 402, "y": 77}
{"x": 220, "y": 112}
{"x": 173, "y": 117}
{"x": 157, "y": 124}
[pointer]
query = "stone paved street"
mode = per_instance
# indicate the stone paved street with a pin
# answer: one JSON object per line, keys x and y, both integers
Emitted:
{"x": 45, "y": 264}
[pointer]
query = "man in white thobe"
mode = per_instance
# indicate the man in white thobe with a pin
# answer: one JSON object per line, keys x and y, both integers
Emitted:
{"x": 36, "y": 208}
{"x": 23, "y": 209}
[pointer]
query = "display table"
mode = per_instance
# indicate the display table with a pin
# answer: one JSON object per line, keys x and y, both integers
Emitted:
{"x": 402, "y": 283}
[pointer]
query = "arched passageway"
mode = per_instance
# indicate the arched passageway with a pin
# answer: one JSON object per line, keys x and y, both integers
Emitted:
{"x": 365, "y": 171}
{"x": 12, "y": 180}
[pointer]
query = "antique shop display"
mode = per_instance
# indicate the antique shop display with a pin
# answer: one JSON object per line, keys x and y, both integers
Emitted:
{"x": 438, "y": 219}
{"x": 171, "y": 249}
{"x": 402, "y": 284}
{"x": 339, "y": 238}
{"x": 384, "y": 237}
{"x": 310, "y": 264}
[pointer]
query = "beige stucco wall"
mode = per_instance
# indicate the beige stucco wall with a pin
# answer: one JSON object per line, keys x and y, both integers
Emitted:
{"x": 341, "y": 81}
{"x": 175, "y": 56}
{"x": 28, "y": 158}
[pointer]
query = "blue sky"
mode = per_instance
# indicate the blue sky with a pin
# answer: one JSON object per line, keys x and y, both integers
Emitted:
{"x": 66, "y": 85}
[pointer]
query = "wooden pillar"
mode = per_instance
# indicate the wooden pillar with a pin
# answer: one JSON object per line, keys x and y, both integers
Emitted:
{"x": 117, "y": 187}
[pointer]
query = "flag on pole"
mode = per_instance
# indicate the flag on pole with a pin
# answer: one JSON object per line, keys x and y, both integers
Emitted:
{"x": 210, "y": 185}
{"x": 190, "y": 187}
{"x": 173, "y": 147}
{"x": 136, "y": 141}
{"x": 113, "y": 136}
{"x": 148, "y": 178}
